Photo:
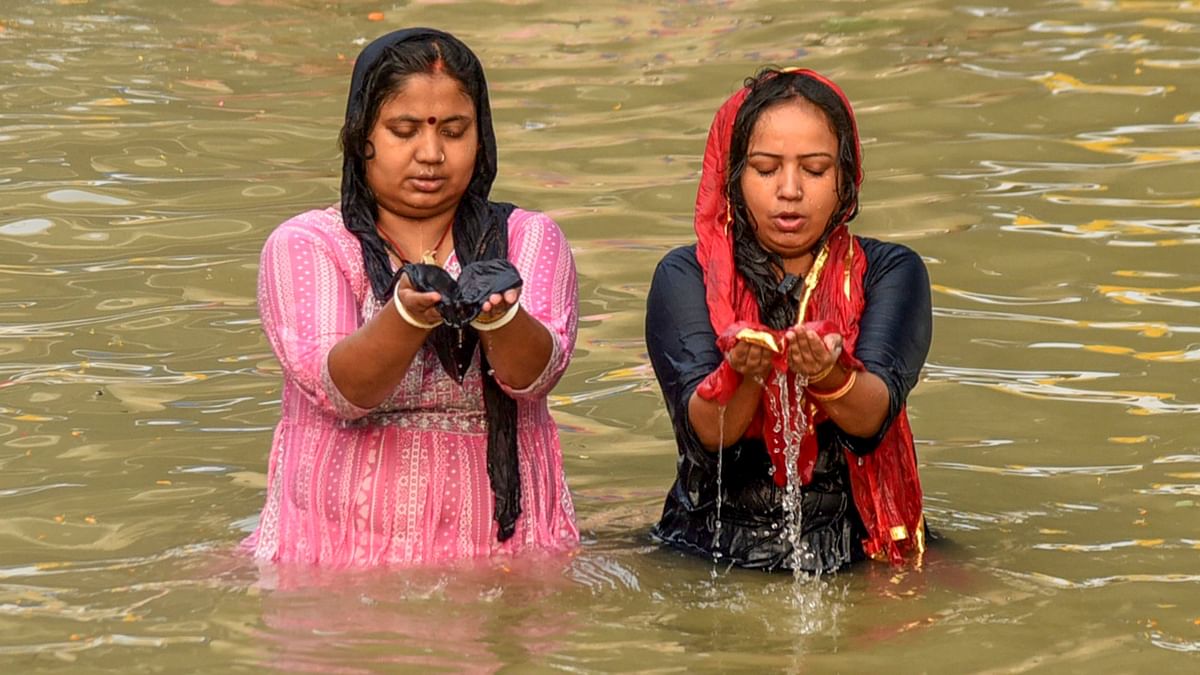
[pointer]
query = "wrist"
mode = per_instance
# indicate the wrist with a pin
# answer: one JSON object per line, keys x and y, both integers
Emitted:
{"x": 756, "y": 380}
{"x": 499, "y": 322}
{"x": 407, "y": 317}
{"x": 825, "y": 377}
{"x": 834, "y": 392}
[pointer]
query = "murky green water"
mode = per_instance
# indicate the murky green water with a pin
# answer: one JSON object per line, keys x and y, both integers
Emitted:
{"x": 1042, "y": 156}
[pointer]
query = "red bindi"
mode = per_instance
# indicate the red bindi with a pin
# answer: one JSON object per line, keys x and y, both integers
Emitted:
{"x": 432, "y": 120}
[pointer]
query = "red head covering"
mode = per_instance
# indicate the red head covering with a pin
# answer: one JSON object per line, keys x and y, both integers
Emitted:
{"x": 884, "y": 483}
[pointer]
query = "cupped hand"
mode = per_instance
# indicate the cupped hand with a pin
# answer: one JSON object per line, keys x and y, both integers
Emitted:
{"x": 809, "y": 354}
{"x": 749, "y": 359}
{"x": 497, "y": 304}
{"x": 420, "y": 306}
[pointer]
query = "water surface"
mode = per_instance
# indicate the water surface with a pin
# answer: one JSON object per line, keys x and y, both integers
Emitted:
{"x": 1042, "y": 157}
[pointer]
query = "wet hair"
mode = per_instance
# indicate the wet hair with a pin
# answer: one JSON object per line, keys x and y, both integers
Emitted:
{"x": 761, "y": 267}
{"x": 386, "y": 77}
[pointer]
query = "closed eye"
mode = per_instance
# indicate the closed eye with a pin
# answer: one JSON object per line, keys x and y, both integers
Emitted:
{"x": 405, "y": 131}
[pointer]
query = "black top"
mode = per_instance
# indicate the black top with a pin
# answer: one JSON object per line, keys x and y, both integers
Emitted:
{"x": 894, "y": 335}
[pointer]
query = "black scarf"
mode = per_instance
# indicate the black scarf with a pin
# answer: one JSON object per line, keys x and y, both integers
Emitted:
{"x": 480, "y": 233}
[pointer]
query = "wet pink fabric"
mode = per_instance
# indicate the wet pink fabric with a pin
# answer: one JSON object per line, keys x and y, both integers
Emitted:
{"x": 405, "y": 482}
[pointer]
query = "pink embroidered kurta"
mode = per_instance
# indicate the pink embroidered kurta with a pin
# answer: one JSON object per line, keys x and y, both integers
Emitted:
{"x": 405, "y": 482}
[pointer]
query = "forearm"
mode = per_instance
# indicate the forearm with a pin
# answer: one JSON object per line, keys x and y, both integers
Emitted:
{"x": 519, "y": 351}
{"x": 863, "y": 409}
{"x": 367, "y": 365}
{"x": 719, "y": 429}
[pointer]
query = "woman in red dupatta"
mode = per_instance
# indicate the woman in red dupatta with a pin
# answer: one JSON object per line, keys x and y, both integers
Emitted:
{"x": 786, "y": 347}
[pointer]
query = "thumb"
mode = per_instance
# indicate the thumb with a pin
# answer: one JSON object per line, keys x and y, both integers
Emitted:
{"x": 833, "y": 342}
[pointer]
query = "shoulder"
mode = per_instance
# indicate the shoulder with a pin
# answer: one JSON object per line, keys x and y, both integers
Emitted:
{"x": 889, "y": 252}
{"x": 889, "y": 259}
{"x": 523, "y": 222}
{"x": 321, "y": 233}
{"x": 320, "y": 228}
{"x": 324, "y": 225}
{"x": 680, "y": 261}
{"x": 533, "y": 233}
{"x": 677, "y": 275}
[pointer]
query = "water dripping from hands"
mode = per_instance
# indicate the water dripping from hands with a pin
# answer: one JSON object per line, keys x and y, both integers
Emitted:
{"x": 792, "y": 428}
{"x": 716, "y": 540}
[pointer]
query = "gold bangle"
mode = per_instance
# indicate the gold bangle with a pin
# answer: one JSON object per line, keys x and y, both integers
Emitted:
{"x": 823, "y": 374}
{"x": 499, "y": 322}
{"x": 836, "y": 393}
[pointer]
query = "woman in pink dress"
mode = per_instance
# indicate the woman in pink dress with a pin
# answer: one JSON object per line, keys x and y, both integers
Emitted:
{"x": 415, "y": 431}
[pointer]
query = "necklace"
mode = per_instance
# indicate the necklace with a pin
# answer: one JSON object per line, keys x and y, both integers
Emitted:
{"x": 428, "y": 257}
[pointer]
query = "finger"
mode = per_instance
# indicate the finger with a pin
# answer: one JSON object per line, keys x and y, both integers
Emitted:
{"x": 737, "y": 356}
{"x": 417, "y": 300}
{"x": 512, "y": 295}
{"x": 795, "y": 341}
{"x": 833, "y": 342}
{"x": 753, "y": 356}
{"x": 815, "y": 344}
{"x": 494, "y": 302}
{"x": 817, "y": 354}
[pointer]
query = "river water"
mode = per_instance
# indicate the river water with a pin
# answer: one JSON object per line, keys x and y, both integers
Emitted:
{"x": 1042, "y": 157}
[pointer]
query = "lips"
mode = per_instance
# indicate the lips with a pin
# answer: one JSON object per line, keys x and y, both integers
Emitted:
{"x": 789, "y": 221}
{"x": 427, "y": 183}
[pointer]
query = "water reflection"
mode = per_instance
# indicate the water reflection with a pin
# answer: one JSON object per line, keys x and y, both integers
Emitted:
{"x": 469, "y": 618}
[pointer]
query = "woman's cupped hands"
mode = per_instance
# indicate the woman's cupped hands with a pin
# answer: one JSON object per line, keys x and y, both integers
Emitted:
{"x": 498, "y": 304}
{"x": 810, "y": 350}
{"x": 813, "y": 348}
{"x": 422, "y": 306}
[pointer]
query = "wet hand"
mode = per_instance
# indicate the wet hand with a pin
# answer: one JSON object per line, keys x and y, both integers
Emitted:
{"x": 751, "y": 360}
{"x": 810, "y": 355}
{"x": 420, "y": 306}
{"x": 497, "y": 304}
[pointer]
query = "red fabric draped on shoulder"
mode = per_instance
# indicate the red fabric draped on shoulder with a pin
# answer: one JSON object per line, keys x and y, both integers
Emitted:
{"x": 884, "y": 483}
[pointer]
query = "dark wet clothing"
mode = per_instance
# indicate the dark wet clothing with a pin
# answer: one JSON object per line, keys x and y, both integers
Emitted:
{"x": 895, "y": 331}
{"x": 462, "y": 299}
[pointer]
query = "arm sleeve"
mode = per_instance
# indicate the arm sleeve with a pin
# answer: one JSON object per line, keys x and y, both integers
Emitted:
{"x": 307, "y": 306}
{"x": 549, "y": 293}
{"x": 680, "y": 341}
{"x": 895, "y": 330}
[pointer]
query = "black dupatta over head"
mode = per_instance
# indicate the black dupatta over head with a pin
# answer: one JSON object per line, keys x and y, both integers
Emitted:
{"x": 480, "y": 225}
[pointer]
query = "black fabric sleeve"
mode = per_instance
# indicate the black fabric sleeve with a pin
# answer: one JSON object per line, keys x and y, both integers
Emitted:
{"x": 680, "y": 340}
{"x": 895, "y": 329}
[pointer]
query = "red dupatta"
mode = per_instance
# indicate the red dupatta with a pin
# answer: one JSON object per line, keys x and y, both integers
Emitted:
{"x": 884, "y": 483}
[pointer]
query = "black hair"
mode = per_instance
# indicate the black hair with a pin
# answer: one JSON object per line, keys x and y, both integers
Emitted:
{"x": 385, "y": 77}
{"x": 762, "y": 268}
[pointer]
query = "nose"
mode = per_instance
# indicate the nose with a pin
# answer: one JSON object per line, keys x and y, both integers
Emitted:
{"x": 789, "y": 187}
{"x": 429, "y": 149}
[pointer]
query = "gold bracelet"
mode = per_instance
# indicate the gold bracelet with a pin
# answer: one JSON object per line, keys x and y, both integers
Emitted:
{"x": 823, "y": 374}
{"x": 836, "y": 393}
{"x": 500, "y": 322}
